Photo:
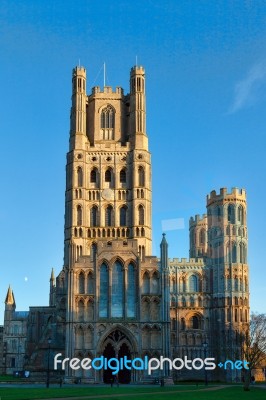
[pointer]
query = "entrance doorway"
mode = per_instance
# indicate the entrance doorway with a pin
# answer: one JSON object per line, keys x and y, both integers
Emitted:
{"x": 118, "y": 346}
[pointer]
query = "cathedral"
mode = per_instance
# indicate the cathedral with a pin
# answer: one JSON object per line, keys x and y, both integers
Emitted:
{"x": 112, "y": 296}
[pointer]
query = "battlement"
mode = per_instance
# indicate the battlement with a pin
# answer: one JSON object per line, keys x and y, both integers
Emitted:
{"x": 198, "y": 219}
{"x": 79, "y": 71}
{"x": 235, "y": 193}
{"x": 137, "y": 69}
{"x": 107, "y": 90}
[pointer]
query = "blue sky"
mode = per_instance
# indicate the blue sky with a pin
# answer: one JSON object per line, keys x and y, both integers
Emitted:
{"x": 205, "y": 67}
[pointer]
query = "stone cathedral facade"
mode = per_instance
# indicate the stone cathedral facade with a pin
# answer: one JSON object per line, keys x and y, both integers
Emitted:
{"x": 112, "y": 297}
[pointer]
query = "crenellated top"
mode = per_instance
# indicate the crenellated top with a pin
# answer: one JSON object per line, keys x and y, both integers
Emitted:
{"x": 235, "y": 193}
{"x": 137, "y": 69}
{"x": 107, "y": 90}
{"x": 198, "y": 219}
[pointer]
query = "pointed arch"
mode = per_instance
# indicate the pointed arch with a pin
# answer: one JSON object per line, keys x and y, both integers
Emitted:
{"x": 141, "y": 215}
{"x": 109, "y": 215}
{"x": 93, "y": 175}
{"x": 81, "y": 282}
{"x": 141, "y": 176}
{"x": 80, "y": 177}
{"x": 123, "y": 215}
{"x": 79, "y": 214}
{"x": 131, "y": 291}
{"x": 108, "y": 175}
{"x": 94, "y": 216}
{"x": 123, "y": 176}
{"x": 193, "y": 283}
{"x": 117, "y": 290}
{"x": 231, "y": 213}
{"x": 107, "y": 117}
{"x": 104, "y": 286}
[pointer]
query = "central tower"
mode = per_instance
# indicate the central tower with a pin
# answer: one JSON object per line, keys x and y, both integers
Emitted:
{"x": 108, "y": 225}
{"x": 108, "y": 188}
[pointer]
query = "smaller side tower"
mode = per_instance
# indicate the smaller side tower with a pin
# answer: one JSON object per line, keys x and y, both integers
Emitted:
{"x": 227, "y": 257}
{"x": 198, "y": 227}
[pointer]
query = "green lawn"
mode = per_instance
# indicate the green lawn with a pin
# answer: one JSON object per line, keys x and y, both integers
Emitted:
{"x": 156, "y": 393}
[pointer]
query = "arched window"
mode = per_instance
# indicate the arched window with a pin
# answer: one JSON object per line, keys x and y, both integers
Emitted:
{"x": 94, "y": 175}
{"x": 194, "y": 322}
{"x": 103, "y": 298}
{"x": 90, "y": 283}
{"x": 234, "y": 253}
{"x": 109, "y": 216}
{"x": 131, "y": 291}
{"x": 193, "y": 283}
{"x": 79, "y": 215}
{"x": 81, "y": 283}
{"x": 94, "y": 216}
{"x": 218, "y": 213}
{"x": 146, "y": 283}
{"x": 117, "y": 290}
{"x": 107, "y": 118}
{"x": 202, "y": 236}
{"x": 123, "y": 176}
{"x": 242, "y": 253}
{"x": 108, "y": 175}
{"x": 141, "y": 215}
{"x": 80, "y": 310}
{"x": 231, "y": 214}
{"x": 93, "y": 252}
{"x": 183, "y": 324}
{"x": 154, "y": 283}
{"x": 240, "y": 215}
{"x": 80, "y": 176}
{"x": 123, "y": 216}
{"x": 141, "y": 176}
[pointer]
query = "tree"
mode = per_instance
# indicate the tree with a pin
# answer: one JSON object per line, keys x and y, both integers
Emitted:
{"x": 254, "y": 345}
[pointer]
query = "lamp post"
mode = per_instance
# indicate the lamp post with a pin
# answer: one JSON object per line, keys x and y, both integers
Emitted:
{"x": 205, "y": 345}
{"x": 48, "y": 363}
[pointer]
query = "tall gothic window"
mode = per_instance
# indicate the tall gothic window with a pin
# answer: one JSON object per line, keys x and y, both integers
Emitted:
{"x": 90, "y": 285}
{"x": 146, "y": 283}
{"x": 123, "y": 176}
{"x": 193, "y": 283}
{"x": 131, "y": 291}
{"x": 103, "y": 299}
{"x": 107, "y": 117}
{"x": 202, "y": 236}
{"x": 94, "y": 216}
{"x": 79, "y": 215}
{"x": 240, "y": 215}
{"x": 117, "y": 291}
{"x": 81, "y": 283}
{"x": 108, "y": 175}
{"x": 107, "y": 123}
{"x": 141, "y": 176}
{"x": 231, "y": 214}
{"x": 93, "y": 177}
{"x": 109, "y": 216}
{"x": 194, "y": 322}
{"x": 141, "y": 215}
{"x": 234, "y": 253}
{"x": 80, "y": 176}
{"x": 123, "y": 216}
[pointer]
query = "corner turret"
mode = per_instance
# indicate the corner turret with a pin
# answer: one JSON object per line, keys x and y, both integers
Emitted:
{"x": 10, "y": 304}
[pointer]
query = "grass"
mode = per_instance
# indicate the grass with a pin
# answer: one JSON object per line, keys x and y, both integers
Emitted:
{"x": 140, "y": 393}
